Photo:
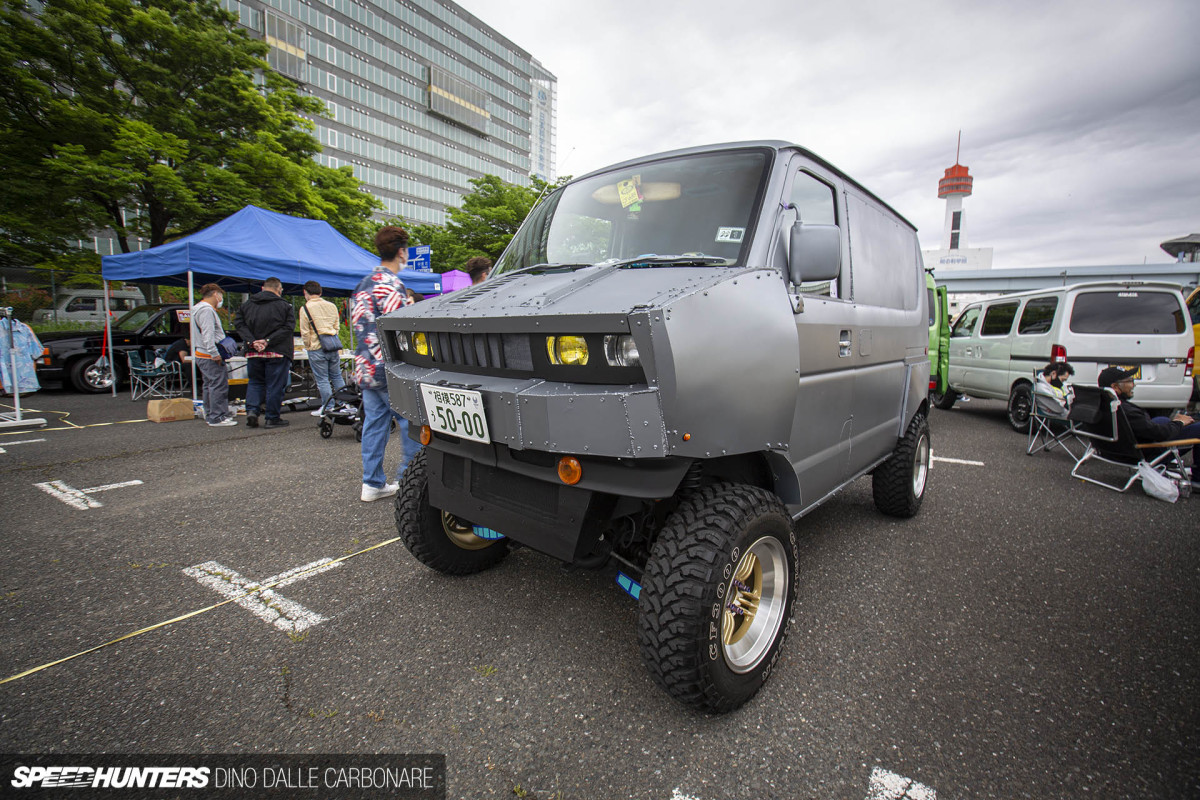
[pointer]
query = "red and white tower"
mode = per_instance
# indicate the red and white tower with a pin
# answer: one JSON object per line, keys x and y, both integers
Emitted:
{"x": 954, "y": 187}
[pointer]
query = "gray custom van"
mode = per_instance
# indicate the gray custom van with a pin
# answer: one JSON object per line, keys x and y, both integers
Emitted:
{"x": 675, "y": 358}
{"x": 996, "y": 345}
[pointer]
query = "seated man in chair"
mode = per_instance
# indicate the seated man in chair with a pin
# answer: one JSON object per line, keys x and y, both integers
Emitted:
{"x": 1147, "y": 429}
{"x": 1051, "y": 393}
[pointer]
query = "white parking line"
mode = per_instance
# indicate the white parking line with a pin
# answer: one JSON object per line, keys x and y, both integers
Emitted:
{"x": 78, "y": 498}
{"x": 23, "y": 441}
{"x": 887, "y": 785}
{"x": 957, "y": 461}
{"x": 286, "y": 615}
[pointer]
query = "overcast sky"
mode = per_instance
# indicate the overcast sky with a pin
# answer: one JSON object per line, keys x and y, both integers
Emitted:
{"x": 1080, "y": 120}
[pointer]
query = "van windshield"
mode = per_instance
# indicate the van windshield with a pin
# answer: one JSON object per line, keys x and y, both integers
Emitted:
{"x": 1129, "y": 312}
{"x": 698, "y": 206}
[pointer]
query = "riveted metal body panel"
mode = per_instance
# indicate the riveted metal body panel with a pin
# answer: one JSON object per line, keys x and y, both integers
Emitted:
{"x": 812, "y": 385}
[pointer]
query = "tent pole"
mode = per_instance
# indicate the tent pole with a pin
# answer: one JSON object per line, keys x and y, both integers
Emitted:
{"x": 112, "y": 359}
{"x": 192, "y": 335}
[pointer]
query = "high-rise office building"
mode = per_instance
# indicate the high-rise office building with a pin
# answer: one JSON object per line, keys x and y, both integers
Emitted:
{"x": 422, "y": 95}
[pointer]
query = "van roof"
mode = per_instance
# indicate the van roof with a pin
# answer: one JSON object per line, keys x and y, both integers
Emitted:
{"x": 1155, "y": 285}
{"x": 770, "y": 144}
{"x": 100, "y": 292}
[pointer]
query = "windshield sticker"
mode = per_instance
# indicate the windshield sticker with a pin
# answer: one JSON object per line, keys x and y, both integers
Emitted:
{"x": 183, "y": 314}
{"x": 630, "y": 193}
{"x": 730, "y": 234}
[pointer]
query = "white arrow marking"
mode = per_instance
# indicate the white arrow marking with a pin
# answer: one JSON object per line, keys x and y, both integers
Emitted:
{"x": 286, "y": 615}
{"x": 23, "y": 441}
{"x": 78, "y": 498}
{"x": 886, "y": 785}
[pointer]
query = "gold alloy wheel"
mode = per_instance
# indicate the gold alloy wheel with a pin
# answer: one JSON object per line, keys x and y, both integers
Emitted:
{"x": 754, "y": 604}
{"x": 462, "y": 534}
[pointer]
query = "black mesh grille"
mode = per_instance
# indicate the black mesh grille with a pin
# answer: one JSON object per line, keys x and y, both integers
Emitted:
{"x": 482, "y": 350}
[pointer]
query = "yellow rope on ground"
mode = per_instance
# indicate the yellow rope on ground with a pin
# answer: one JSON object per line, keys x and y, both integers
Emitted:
{"x": 194, "y": 613}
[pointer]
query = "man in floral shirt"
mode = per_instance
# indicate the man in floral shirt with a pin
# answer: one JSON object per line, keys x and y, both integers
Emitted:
{"x": 377, "y": 294}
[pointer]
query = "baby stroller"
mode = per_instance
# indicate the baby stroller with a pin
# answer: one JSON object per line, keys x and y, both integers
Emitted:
{"x": 344, "y": 407}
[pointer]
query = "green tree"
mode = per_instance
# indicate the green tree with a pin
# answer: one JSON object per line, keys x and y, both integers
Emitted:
{"x": 153, "y": 118}
{"x": 489, "y": 217}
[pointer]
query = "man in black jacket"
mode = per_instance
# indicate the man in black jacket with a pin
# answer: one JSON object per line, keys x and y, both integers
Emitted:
{"x": 267, "y": 323}
{"x": 1147, "y": 429}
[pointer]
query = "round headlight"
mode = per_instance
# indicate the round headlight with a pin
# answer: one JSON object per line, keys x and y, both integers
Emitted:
{"x": 621, "y": 351}
{"x": 421, "y": 344}
{"x": 571, "y": 350}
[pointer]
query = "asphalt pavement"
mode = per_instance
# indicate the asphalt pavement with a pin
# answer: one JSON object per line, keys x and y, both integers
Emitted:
{"x": 1026, "y": 635}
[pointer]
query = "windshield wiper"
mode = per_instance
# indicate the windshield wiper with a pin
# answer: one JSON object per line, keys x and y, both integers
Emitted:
{"x": 652, "y": 260}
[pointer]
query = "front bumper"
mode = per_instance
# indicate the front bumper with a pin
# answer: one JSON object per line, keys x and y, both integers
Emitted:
{"x": 533, "y": 414}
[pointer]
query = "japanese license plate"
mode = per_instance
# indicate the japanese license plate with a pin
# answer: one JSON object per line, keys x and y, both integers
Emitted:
{"x": 458, "y": 412}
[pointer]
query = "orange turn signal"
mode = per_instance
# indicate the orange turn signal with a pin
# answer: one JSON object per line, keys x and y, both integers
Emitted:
{"x": 570, "y": 471}
{"x": 426, "y": 434}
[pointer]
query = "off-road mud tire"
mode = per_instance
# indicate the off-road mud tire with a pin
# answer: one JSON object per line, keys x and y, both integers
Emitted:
{"x": 898, "y": 484}
{"x": 421, "y": 528}
{"x": 686, "y": 588}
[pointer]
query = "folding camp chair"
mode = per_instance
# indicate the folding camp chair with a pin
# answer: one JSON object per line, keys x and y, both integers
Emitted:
{"x": 147, "y": 380}
{"x": 1121, "y": 450}
{"x": 1050, "y": 425}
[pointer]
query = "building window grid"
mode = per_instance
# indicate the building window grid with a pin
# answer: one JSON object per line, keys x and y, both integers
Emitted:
{"x": 398, "y": 110}
{"x": 391, "y": 31}
{"x": 251, "y": 18}
{"x": 446, "y": 172}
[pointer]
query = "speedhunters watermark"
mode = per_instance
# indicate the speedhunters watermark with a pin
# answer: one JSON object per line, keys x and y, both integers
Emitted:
{"x": 420, "y": 777}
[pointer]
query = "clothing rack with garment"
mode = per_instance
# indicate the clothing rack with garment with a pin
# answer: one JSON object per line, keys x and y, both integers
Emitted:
{"x": 14, "y": 419}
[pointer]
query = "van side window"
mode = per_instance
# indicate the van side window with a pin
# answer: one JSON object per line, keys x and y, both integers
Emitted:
{"x": 966, "y": 323}
{"x": 883, "y": 256}
{"x": 998, "y": 320}
{"x": 82, "y": 304}
{"x": 814, "y": 202}
{"x": 1038, "y": 315}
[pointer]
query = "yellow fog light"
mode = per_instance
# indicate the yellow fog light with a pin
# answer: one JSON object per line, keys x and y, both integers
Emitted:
{"x": 421, "y": 344}
{"x": 569, "y": 350}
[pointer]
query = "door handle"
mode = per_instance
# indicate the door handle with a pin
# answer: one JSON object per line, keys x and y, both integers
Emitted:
{"x": 844, "y": 344}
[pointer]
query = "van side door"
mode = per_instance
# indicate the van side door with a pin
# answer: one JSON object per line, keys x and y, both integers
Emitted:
{"x": 995, "y": 348}
{"x": 820, "y": 440}
{"x": 1031, "y": 344}
{"x": 963, "y": 345}
{"x": 889, "y": 328}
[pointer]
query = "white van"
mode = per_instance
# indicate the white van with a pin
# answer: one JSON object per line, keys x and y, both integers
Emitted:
{"x": 996, "y": 345}
{"x": 87, "y": 305}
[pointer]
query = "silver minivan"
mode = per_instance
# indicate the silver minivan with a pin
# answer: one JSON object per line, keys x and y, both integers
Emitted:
{"x": 87, "y": 305}
{"x": 675, "y": 359}
{"x": 996, "y": 345}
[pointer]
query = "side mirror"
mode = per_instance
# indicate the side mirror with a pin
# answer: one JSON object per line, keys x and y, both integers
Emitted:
{"x": 815, "y": 252}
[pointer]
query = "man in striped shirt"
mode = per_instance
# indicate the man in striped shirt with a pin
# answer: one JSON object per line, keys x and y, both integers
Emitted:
{"x": 377, "y": 294}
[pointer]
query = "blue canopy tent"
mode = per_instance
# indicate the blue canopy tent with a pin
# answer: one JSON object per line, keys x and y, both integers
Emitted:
{"x": 243, "y": 250}
{"x": 246, "y": 248}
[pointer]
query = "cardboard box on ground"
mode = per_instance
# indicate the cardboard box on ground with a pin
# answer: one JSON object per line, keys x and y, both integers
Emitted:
{"x": 170, "y": 410}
